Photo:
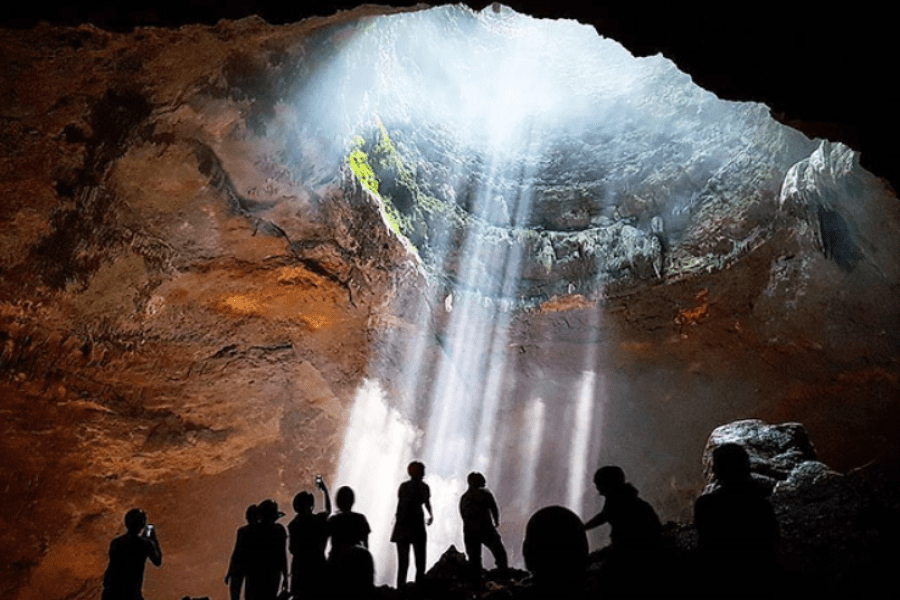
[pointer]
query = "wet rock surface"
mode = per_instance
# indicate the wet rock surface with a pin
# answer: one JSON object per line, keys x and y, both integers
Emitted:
{"x": 186, "y": 311}
{"x": 636, "y": 175}
{"x": 776, "y": 451}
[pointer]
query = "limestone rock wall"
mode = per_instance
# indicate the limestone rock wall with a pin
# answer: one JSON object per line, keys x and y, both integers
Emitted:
{"x": 190, "y": 298}
{"x": 183, "y": 324}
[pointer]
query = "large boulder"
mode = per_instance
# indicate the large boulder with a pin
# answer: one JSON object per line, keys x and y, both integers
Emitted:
{"x": 836, "y": 529}
{"x": 775, "y": 451}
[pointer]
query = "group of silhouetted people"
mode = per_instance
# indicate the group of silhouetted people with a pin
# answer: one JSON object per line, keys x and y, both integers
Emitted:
{"x": 737, "y": 534}
{"x": 735, "y": 524}
{"x": 259, "y": 562}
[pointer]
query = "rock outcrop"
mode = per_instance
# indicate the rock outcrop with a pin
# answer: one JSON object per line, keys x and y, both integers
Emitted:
{"x": 836, "y": 529}
{"x": 776, "y": 451}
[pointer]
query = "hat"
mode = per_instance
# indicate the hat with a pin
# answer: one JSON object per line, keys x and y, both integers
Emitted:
{"x": 268, "y": 510}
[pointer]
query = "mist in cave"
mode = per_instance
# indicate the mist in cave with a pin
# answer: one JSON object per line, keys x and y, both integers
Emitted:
{"x": 554, "y": 163}
{"x": 236, "y": 257}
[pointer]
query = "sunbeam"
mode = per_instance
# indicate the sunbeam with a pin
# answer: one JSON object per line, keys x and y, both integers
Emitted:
{"x": 473, "y": 131}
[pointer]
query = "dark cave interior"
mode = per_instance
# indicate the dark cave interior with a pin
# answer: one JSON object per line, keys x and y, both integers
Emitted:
{"x": 717, "y": 339}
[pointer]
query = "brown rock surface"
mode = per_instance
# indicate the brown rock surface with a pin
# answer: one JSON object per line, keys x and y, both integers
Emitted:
{"x": 160, "y": 347}
{"x": 184, "y": 322}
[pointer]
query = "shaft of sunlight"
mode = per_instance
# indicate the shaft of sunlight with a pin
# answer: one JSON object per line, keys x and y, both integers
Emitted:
{"x": 581, "y": 428}
{"x": 378, "y": 445}
{"x": 498, "y": 81}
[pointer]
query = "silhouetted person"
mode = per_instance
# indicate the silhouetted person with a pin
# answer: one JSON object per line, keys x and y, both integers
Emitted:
{"x": 634, "y": 525}
{"x": 308, "y": 535}
{"x": 481, "y": 518}
{"x": 266, "y": 559}
{"x": 353, "y": 574}
{"x": 128, "y": 553}
{"x": 237, "y": 566}
{"x": 556, "y": 552}
{"x": 346, "y": 528}
{"x": 736, "y": 526}
{"x": 635, "y": 536}
{"x": 409, "y": 521}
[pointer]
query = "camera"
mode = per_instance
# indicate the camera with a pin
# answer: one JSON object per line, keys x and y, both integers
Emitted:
{"x": 149, "y": 530}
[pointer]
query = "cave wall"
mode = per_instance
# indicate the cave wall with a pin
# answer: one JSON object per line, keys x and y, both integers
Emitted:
{"x": 163, "y": 346}
{"x": 185, "y": 320}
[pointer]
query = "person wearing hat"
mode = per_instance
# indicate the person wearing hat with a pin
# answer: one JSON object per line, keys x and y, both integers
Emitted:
{"x": 128, "y": 554}
{"x": 266, "y": 556}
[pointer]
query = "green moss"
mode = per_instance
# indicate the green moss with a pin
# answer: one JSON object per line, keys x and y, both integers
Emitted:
{"x": 410, "y": 212}
{"x": 386, "y": 152}
{"x": 394, "y": 218}
{"x": 359, "y": 163}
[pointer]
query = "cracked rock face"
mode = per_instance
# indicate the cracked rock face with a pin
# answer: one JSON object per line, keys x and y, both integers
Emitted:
{"x": 616, "y": 170}
{"x": 195, "y": 281}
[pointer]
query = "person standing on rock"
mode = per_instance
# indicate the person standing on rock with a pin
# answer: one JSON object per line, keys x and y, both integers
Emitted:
{"x": 410, "y": 522}
{"x": 128, "y": 553}
{"x": 481, "y": 518}
{"x": 308, "y": 536}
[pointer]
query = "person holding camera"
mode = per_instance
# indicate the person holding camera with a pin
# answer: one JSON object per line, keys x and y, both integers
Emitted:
{"x": 128, "y": 553}
{"x": 308, "y": 536}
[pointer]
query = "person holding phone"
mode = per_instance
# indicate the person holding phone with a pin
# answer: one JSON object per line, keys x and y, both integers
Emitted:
{"x": 307, "y": 538}
{"x": 128, "y": 553}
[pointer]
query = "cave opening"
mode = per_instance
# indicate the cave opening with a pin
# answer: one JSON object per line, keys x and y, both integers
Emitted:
{"x": 477, "y": 239}
{"x": 524, "y": 162}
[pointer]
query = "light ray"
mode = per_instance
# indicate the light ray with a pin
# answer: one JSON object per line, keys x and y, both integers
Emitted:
{"x": 503, "y": 91}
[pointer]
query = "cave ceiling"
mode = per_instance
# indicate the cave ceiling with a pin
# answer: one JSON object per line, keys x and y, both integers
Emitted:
{"x": 196, "y": 288}
{"x": 818, "y": 70}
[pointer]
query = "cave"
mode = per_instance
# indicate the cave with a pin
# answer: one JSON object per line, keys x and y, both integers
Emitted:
{"x": 241, "y": 253}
